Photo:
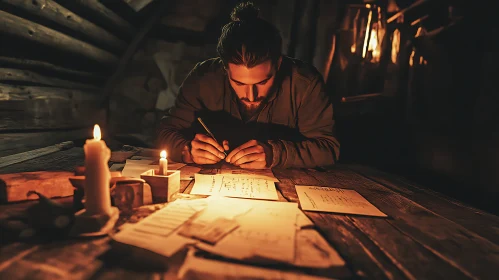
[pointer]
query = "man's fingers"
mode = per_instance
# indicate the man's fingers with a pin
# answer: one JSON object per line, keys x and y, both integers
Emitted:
{"x": 198, "y": 153}
{"x": 209, "y": 140}
{"x": 236, "y": 150}
{"x": 250, "y": 158}
{"x": 226, "y": 145}
{"x": 254, "y": 165}
{"x": 198, "y": 145}
{"x": 202, "y": 160}
{"x": 247, "y": 151}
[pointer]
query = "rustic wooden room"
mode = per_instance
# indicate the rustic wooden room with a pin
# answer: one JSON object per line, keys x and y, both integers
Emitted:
{"x": 233, "y": 139}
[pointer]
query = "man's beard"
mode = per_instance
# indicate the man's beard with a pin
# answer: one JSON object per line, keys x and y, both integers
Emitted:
{"x": 250, "y": 109}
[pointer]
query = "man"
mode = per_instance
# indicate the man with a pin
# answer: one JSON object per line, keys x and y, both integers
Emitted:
{"x": 270, "y": 108}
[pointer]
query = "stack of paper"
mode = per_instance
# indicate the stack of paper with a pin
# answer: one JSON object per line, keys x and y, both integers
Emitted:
{"x": 266, "y": 232}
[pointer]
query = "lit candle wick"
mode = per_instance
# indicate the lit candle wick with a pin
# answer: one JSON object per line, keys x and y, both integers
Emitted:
{"x": 97, "y": 134}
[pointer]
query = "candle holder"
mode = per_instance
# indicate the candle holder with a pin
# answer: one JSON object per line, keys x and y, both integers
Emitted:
{"x": 86, "y": 225}
{"x": 163, "y": 187}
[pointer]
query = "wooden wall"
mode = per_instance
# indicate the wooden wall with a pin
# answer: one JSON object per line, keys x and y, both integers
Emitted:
{"x": 56, "y": 58}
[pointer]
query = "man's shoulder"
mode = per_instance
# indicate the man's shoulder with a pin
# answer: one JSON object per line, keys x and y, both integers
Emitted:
{"x": 302, "y": 71}
{"x": 212, "y": 66}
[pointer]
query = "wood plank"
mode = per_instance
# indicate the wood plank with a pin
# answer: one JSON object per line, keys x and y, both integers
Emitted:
{"x": 13, "y": 143}
{"x": 64, "y": 259}
{"x": 65, "y": 160}
{"x": 43, "y": 66}
{"x": 19, "y": 27}
{"x": 12, "y": 92}
{"x": 52, "y": 11}
{"x": 108, "y": 18}
{"x": 17, "y": 158}
{"x": 29, "y": 107}
{"x": 15, "y": 186}
{"x": 363, "y": 256}
{"x": 442, "y": 237}
{"x": 17, "y": 75}
{"x": 480, "y": 222}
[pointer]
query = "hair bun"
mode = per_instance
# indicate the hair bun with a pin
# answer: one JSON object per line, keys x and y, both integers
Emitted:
{"x": 244, "y": 12}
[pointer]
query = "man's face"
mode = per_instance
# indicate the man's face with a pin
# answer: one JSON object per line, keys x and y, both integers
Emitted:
{"x": 252, "y": 85}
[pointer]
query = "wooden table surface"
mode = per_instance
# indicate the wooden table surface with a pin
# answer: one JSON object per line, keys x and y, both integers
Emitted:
{"x": 427, "y": 235}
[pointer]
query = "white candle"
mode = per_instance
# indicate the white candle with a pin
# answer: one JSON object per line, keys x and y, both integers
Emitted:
{"x": 163, "y": 164}
{"x": 97, "y": 175}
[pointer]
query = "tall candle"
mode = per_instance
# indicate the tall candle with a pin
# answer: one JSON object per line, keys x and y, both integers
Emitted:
{"x": 163, "y": 164}
{"x": 97, "y": 175}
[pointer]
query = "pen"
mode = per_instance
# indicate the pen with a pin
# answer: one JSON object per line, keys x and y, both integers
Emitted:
{"x": 209, "y": 132}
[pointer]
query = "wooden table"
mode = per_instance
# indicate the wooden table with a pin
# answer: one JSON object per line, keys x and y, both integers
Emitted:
{"x": 427, "y": 235}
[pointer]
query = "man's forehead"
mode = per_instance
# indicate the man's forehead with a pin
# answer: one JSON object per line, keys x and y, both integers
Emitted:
{"x": 251, "y": 75}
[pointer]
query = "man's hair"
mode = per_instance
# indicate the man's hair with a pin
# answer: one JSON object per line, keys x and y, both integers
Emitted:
{"x": 248, "y": 40}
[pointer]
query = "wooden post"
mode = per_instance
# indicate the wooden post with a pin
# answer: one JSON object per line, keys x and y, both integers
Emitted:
{"x": 19, "y": 27}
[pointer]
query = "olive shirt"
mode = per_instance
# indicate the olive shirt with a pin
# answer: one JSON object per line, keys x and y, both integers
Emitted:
{"x": 296, "y": 118}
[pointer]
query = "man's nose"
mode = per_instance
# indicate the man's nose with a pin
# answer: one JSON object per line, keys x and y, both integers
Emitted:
{"x": 252, "y": 93}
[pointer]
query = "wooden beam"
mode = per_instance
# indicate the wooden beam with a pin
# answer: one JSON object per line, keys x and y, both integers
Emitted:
{"x": 9, "y": 74}
{"x": 148, "y": 25}
{"x": 11, "y": 92}
{"x": 27, "y": 64}
{"x": 19, "y": 27}
{"x": 50, "y": 10}
{"x": 109, "y": 17}
{"x": 17, "y": 158}
{"x": 27, "y": 107}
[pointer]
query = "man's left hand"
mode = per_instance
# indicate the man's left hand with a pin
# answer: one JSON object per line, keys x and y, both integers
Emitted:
{"x": 251, "y": 155}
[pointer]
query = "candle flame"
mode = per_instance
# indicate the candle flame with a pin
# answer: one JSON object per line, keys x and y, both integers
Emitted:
{"x": 163, "y": 154}
{"x": 97, "y": 134}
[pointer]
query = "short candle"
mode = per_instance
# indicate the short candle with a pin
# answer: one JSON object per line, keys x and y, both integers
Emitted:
{"x": 163, "y": 164}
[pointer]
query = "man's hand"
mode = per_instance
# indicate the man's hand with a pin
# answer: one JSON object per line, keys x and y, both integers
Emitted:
{"x": 252, "y": 155}
{"x": 205, "y": 150}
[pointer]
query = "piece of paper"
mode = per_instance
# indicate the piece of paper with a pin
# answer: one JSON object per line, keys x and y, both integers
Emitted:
{"x": 156, "y": 232}
{"x": 313, "y": 251}
{"x": 255, "y": 173}
{"x": 324, "y": 199}
{"x": 234, "y": 186}
{"x": 266, "y": 229}
{"x": 195, "y": 267}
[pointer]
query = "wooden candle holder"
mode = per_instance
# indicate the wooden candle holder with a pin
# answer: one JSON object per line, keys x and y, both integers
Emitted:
{"x": 163, "y": 187}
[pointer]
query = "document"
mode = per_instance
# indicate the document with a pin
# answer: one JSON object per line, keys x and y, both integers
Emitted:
{"x": 325, "y": 199}
{"x": 255, "y": 173}
{"x": 242, "y": 186}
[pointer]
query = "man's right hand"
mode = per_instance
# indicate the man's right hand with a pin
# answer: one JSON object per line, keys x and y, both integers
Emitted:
{"x": 205, "y": 150}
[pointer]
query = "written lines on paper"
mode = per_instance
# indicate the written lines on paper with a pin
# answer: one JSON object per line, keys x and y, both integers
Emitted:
{"x": 265, "y": 232}
{"x": 243, "y": 186}
{"x": 324, "y": 199}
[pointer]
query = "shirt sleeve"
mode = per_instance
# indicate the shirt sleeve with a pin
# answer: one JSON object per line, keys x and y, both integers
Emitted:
{"x": 173, "y": 132}
{"x": 316, "y": 124}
